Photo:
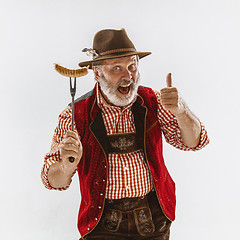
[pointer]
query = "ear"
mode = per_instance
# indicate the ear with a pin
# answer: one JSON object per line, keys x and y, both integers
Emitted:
{"x": 96, "y": 72}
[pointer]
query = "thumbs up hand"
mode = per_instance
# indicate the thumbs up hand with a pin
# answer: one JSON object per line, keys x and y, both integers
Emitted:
{"x": 170, "y": 98}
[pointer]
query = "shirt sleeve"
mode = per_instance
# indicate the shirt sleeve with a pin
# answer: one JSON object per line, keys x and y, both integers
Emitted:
{"x": 171, "y": 130}
{"x": 64, "y": 125}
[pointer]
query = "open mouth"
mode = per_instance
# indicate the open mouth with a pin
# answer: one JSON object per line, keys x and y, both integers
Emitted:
{"x": 124, "y": 89}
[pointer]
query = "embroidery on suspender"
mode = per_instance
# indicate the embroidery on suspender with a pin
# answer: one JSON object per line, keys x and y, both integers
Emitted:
{"x": 123, "y": 143}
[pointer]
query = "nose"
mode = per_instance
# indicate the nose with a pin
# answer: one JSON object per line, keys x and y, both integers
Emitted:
{"x": 127, "y": 75}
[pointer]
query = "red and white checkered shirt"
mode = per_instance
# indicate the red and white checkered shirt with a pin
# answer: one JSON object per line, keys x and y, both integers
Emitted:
{"x": 128, "y": 174}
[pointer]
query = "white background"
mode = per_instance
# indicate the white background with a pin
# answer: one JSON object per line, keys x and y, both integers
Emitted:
{"x": 198, "y": 41}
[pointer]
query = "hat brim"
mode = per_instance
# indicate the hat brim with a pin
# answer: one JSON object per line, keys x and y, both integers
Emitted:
{"x": 112, "y": 56}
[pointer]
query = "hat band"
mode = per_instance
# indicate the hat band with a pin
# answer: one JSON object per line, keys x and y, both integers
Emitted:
{"x": 117, "y": 50}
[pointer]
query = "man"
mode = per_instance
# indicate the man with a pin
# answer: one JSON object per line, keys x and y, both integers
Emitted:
{"x": 126, "y": 190}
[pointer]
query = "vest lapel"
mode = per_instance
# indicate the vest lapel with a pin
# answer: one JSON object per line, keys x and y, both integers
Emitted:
{"x": 139, "y": 113}
{"x": 99, "y": 131}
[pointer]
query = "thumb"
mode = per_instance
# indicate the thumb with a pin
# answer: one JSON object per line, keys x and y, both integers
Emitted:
{"x": 169, "y": 80}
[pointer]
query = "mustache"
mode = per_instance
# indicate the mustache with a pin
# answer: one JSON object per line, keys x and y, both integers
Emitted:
{"x": 125, "y": 82}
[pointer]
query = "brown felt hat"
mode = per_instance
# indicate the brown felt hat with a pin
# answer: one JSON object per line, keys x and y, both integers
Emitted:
{"x": 109, "y": 44}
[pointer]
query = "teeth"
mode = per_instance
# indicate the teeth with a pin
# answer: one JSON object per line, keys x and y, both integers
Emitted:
{"x": 126, "y": 85}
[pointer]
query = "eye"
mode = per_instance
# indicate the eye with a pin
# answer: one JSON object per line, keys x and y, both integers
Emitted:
{"x": 116, "y": 68}
{"x": 132, "y": 67}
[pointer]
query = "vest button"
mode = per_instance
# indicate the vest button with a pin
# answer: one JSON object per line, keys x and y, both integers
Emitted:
{"x": 104, "y": 180}
{"x": 99, "y": 207}
{"x": 101, "y": 194}
{"x": 88, "y": 229}
{"x": 96, "y": 219}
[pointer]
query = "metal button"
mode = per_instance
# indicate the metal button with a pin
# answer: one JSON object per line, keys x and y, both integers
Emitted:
{"x": 101, "y": 194}
{"x": 96, "y": 219}
{"x": 88, "y": 229}
{"x": 99, "y": 207}
{"x": 104, "y": 180}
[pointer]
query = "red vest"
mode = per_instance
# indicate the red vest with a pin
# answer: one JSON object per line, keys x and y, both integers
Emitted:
{"x": 93, "y": 167}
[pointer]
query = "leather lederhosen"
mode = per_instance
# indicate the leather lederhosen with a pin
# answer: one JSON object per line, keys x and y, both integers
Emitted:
{"x": 132, "y": 218}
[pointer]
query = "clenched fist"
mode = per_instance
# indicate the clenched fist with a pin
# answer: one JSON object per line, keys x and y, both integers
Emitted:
{"x": 61, "y": 172}
{"x": 170, "y": 98}
{"x": 71, "y": 146}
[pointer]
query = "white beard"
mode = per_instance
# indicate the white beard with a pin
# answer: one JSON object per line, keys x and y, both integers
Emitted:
{"x": 112, "y": 97}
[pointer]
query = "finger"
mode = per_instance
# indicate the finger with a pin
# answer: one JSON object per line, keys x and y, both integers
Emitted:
{"x": 70, "y": 147}
{"x": 70, "y": 144}
{"x": 71, "y": 140}
{"x": 65, "y": 148}
{"x": 169, "y": 80}
{"x": 169, "y": 95}
{"x": 168, "y": 107}
{"x": 72, "y": 134}
{"x": 169, "y": 102}
{"x": 168, "y": 91}
{"x": 67, "y": 153}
